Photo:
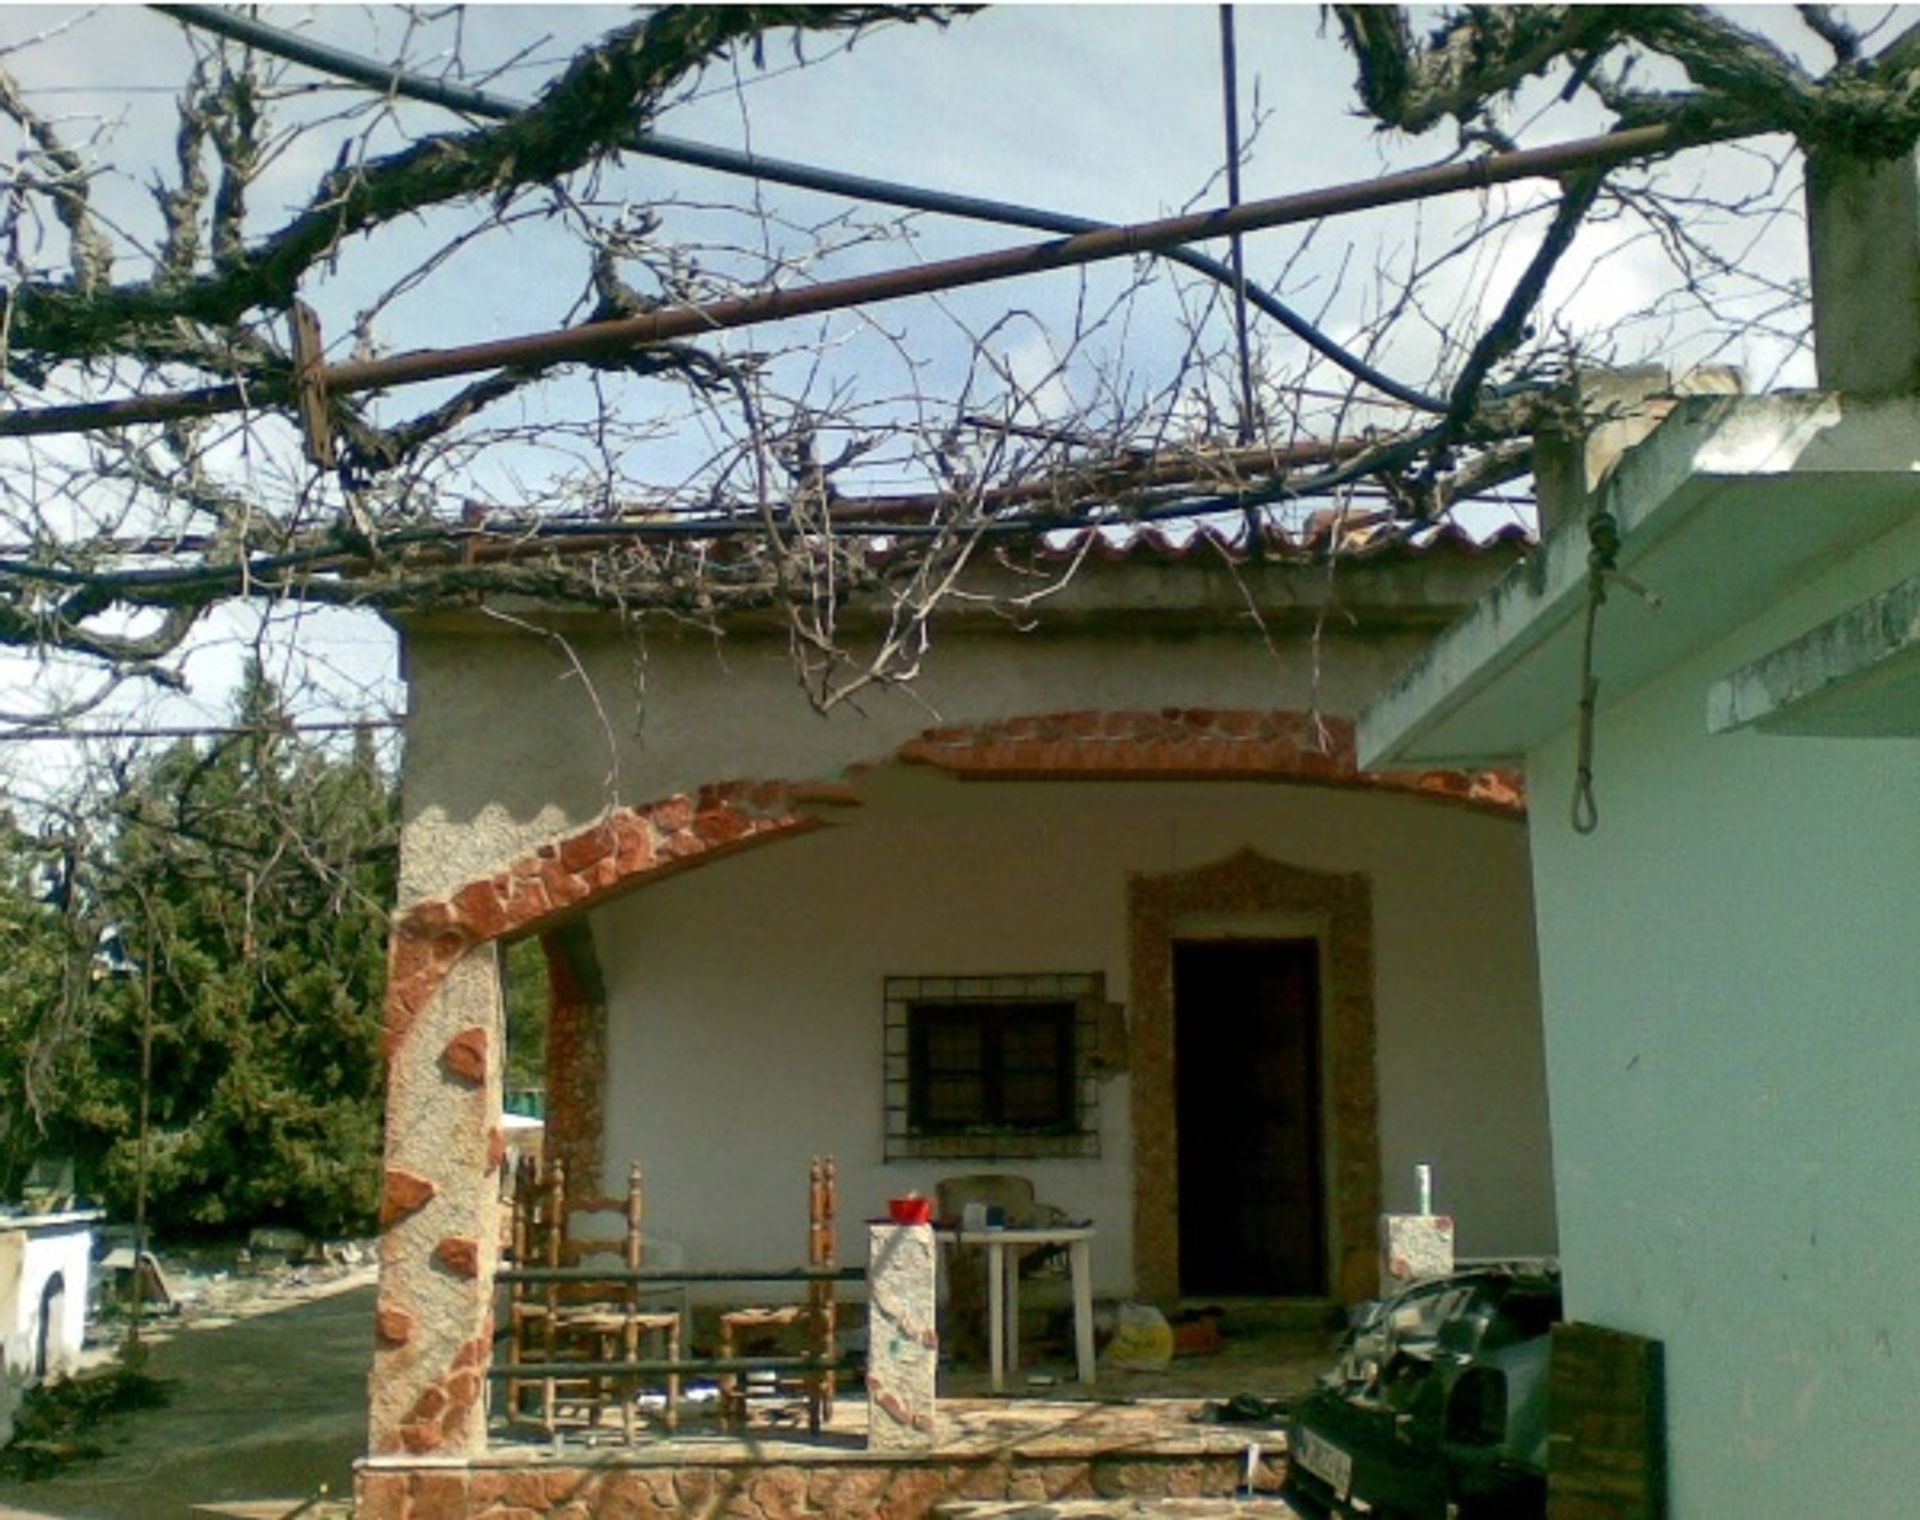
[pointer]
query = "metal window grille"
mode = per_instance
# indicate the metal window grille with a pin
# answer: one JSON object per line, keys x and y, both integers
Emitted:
{"x": 995, "y": 1068}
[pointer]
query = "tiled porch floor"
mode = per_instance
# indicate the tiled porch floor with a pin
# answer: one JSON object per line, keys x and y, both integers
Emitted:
{"x": 1042, "y": 1414}
{"x": 1125, "y": 1449}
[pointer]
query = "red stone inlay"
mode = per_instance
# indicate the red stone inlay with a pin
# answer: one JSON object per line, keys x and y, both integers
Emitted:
{"x": 401, "y": 1193}
{"x": 393, "y": 1325}
{"x": 466, "y": 1054}
{"x": 1190, "y": 743}
{"x": 459, "y": 1254}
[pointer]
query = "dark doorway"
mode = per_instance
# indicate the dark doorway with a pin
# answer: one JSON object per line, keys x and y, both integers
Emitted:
{"x": 1247, "y": 1110}
{"x": 47, "y": 1341}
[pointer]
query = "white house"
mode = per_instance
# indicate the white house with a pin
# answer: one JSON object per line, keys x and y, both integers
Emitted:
{"x": 1104, "y": 902}
{"x": 1729, "y": 960}
{"x": 45, "y": 1263}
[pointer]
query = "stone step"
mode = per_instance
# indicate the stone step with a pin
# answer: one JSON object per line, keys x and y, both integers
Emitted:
{"x": 1120, "y": 1509}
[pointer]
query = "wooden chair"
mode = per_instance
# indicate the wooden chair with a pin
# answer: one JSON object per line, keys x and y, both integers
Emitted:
{"x": 585, "y": 1321}
{"x": 816, "y": 1317}
{"x": 526, "y": 1302}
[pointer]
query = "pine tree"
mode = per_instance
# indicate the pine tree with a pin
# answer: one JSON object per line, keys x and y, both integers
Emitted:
{"x": 244, "y": 890}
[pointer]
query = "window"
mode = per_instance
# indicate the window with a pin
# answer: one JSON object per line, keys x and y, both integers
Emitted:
{"x": 992, "y": 1066}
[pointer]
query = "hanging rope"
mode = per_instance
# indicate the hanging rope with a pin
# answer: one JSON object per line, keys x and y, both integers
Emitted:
{"x": 1603, "y": 556}
{"x": 1603, "y": 549}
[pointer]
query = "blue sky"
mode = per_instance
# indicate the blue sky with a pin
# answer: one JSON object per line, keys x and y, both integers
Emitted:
{"x": 1108, "y": 112}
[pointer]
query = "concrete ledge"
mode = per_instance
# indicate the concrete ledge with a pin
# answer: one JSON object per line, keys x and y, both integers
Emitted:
{"x": 1720, "y": 512}
{"x": 1857, "y": 676}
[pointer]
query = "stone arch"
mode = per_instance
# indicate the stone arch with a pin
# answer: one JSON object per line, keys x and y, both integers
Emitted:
{"x": 566, "y": 877}
{"x": 445, "y": 1146}
{"x": 1342, "y": 906}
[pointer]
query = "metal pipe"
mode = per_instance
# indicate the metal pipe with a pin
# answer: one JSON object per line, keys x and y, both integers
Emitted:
{"x": 847, "y": 1363}
{"x": 598, "y": 340}
{"x": 671, "y": 1276}
{"x": 780, "y": 171}
{"x": 194, "y": 731}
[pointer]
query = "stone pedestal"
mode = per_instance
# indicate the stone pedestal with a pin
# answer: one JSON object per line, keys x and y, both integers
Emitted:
{"x": 903, "y": 1343}
{"x": 1413, "y": 1248}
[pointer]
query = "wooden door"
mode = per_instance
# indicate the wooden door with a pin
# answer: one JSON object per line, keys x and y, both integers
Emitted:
{"x": 1247, "y": 1095}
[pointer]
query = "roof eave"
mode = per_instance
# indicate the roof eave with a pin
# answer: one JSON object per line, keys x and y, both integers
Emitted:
{"x": 1719, "y": 512}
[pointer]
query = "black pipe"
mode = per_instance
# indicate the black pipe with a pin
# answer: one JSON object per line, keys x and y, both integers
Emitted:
{"x": 781, "y": 171}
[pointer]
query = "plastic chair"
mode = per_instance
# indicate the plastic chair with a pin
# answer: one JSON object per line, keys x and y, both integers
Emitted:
{"x": 1012, "y": 1195}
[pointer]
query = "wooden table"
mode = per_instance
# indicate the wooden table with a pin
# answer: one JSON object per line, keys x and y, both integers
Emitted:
{"x": 1003, "y": 1288}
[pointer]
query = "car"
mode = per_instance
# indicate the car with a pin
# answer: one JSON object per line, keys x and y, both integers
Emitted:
{"x": 1436, "y": 1408}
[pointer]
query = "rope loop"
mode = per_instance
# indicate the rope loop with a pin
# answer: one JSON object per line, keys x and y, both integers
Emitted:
{"x": 1603, "y": 553}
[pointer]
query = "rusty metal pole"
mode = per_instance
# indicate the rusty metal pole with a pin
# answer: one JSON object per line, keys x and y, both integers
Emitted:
{"x": 598, "y": 340}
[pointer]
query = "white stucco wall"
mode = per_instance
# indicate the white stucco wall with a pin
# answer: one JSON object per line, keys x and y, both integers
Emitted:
{"x": 32, "y": 1250}
{"x": 512, "y": 738}
{"x": 1731, "y": 978}
{"x": 746, "y": 1017}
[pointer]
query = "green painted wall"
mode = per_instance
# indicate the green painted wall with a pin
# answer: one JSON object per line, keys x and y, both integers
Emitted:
{"x": 1731, "y": 983}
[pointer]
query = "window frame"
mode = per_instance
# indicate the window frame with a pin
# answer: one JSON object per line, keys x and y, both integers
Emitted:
{"x": 915, "y": 1007}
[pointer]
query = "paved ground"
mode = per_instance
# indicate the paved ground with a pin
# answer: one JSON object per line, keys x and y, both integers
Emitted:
{"x": 274, "y": 1407}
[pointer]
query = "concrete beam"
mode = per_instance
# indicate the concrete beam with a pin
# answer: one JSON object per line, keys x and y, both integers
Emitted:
{"x": 1719, "y": 513}
{"x": 1855, "y": 676}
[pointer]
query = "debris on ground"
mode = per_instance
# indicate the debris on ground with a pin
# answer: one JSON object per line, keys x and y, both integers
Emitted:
{"x": 1142, "y": 1339}
{"x": 315, "y": 1507}
{"x": 218, "y": 1282}
{"x": 58, "y": 1423}
{"x": 1246, "y": 1508}
{"x": 1244, "y": 1409}
{"x": 1197, "y": 1332}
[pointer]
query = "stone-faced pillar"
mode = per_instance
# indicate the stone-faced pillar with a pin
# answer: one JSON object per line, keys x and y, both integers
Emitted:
{"x": 903, "y": 1343}
{"x": 576, "y": 1057}
{"x": 440, "y": 1211}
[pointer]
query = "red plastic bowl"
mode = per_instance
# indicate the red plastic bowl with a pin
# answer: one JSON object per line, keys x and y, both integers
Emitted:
{"x": 910, "y": 1210}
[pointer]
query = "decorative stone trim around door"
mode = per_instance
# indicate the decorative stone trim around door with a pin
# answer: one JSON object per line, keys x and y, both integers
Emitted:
{"x": 1248, "y": 883}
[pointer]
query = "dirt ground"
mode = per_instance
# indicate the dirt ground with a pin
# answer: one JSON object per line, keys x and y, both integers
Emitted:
{"x": 268, "y": 1405}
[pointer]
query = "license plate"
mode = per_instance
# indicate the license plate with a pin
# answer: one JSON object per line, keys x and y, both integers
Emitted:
{"x": 1325, "y": 1461}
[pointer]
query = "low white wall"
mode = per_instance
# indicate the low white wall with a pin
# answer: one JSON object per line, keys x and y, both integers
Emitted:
{"x": 746, "y": 997}
{"x": 1731, "y": 978}
{"x": 31, "y": 1252}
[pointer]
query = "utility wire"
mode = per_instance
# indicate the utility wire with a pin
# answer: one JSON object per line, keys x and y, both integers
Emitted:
{"x": 472, "y": 102}
{"x": 1230, "y": 90}
{"x": 195, "y": 730}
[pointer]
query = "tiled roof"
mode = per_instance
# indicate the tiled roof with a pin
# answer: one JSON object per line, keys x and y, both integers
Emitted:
{"x": 1369, "y": 535}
